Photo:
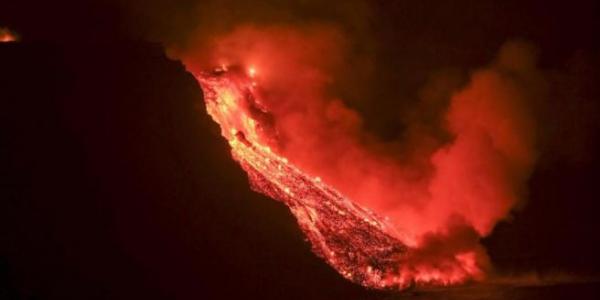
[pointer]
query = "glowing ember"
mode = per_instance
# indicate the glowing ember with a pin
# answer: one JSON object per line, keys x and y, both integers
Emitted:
{"x": 353, "y": 240}
{"x": 251, "y": 71}
{"x": 7, "y": 36}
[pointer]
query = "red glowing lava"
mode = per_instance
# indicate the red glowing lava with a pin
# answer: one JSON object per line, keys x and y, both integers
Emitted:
{"x": 360, "y": 245}
{"x": 384, "y": 214}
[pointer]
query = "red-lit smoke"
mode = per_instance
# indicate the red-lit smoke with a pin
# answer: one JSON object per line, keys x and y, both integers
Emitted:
{"x": 441, "y": 196}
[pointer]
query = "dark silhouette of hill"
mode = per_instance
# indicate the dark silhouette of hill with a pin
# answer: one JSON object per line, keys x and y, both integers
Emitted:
{"x": 116, "y": 184}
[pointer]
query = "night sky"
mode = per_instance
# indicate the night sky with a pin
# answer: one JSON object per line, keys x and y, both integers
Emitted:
{"x": 117, "y": 185}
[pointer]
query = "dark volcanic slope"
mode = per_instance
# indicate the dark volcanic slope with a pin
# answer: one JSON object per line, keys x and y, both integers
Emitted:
{"x": 115, "y": 186}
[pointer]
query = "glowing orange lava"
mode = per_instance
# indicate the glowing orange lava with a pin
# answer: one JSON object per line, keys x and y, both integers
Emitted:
{"x": 360, "y": 245}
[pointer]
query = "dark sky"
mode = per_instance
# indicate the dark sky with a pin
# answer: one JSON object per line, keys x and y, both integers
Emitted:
{"x": 116, "y": 184}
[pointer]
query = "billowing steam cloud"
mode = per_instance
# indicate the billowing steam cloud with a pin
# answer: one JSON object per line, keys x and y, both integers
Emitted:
{"x": 440, "y": 194}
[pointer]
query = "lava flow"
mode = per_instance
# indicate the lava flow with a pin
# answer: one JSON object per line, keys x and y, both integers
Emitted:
{"x": 360, "y": 245}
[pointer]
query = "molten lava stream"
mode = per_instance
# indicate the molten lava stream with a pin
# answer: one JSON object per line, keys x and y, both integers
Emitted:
{"x": 353, "y": 240}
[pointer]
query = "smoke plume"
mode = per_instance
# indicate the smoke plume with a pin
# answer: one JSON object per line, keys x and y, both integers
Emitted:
{"x": 440, "y": 194}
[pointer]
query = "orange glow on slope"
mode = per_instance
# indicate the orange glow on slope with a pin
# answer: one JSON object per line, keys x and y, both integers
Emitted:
{"x": 360, "y": 245}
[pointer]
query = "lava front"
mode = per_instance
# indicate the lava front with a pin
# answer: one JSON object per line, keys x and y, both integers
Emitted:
{"x": 352, "y": 239}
